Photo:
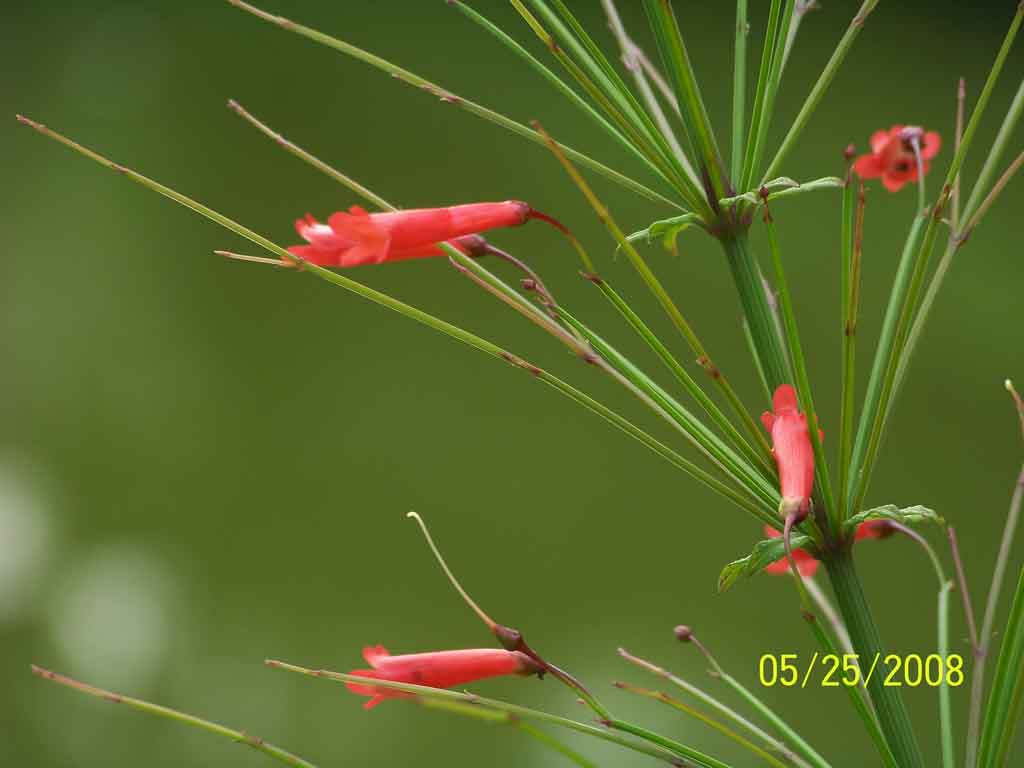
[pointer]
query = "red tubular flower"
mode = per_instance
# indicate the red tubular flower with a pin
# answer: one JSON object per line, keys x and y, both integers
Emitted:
{"x": 805, "y": 563}
{"x": 357, "y": 237}
{"x": 439, "y": 669}
{"x": 892, "y": 155}
{"x": 791, "y": 446}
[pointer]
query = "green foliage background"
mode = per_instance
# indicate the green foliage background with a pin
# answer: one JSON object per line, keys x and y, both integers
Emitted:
{"x": 204, "y": 464}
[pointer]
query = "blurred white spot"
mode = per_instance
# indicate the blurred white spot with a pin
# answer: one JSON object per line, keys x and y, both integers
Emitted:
{"x": 112, "y": 617}
{"x": 25, "y": 538}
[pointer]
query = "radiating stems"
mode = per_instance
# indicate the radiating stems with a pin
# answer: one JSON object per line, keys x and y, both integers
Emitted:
{"x": 662, "y": 295}
{"x": 886, "y": 339}
{"x": 694, "y": 114}
{"x": 416, "y": 314}
{"x": 945, "y": 587}
{"x": 760, "y": 458}
{"x": 690, "y": 427}
{"x": 759, "y": 129}
{"x": 633, "y": 59}
{"x": 739, "y": 90}
{"x": 604, "y": 86}
{"x": 771, "y": 33}
{"x": 240, "y": 737}
{"x": 892, "y": 713}
{"x": 790, "y": 735}
{"x": 852, "y": 248}
{"x": 563, "y": 88}
{"x": 995, "y": 154}
{"x": 820, "y": 88}
{"x": 821, "y": 476}
{"x": 552, "y": 743}
{"x": 730, "y": 714}
{"x": 449, "y": 98}
{"x": 441, "y": 694}
{"x": 709, "y": 721}
{"x": 908, "y": 308}
{"x": 747, "y": 276}
{"x": 992, "y": 604}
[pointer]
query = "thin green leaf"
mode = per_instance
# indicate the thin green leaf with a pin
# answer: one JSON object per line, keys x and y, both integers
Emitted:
{"x": 914, "y": 515}
{"x": 761, "y": 556}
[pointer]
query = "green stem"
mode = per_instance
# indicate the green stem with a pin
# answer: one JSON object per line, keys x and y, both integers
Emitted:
{"x": 551, "y": 742}
{"x": 240, "y": 737}
{"x": 882, "y": 352}
{"x": 747, "y": 276}
{"x": 479, "y": 701}
{"x": 739, "y": 90}
{"x": 820, "y": 87}
{"x": 696, "y": 121}
{"x": 852, "y": 240}
{"x": 892, "y": 713}
{"x": 561, "y": 86}
{"x": 449, "y": 98}
{"x": 759, "y": 456}
{"x": 821, "y": 476}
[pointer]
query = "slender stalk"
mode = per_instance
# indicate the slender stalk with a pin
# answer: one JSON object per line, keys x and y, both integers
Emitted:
{"x": 411, "y": 312}
{"x": 240, "y": 737}
{"x": 757, "y": 139}
{"x": 551, "y": 742}
{"x": 821, "y": 602}
{"x": 791, "y": 736}
{"x": 992, "y": 605}
{"x": 747, "y": 276}
{"x": 662, "y": 295}
{"x": 606, "y": 88}
{"x": 759, "y": 455}
{"x": 996, "y": 151}
{"x": 632, "y": 58}
{"x": 965, "y": 592}
{"x": 958, "y": 135}
{"x": 771, "y": 34}
{"x": 802, "y": 8}
{"x": 739, "y": 90}
{"x": 691, "y": 428}
{"x": 1007, "y": 692}
{"x": 767, "y": 739}
{"x": 882, "y": 352}
{"x": 821, "y": 475}
{"x": 945, "y": 587}
{"x": 695, "y": 117}
{"x": 313, "y": 160}
{"x": 448, "y": 97}
{"x": 909, "y": 307}
{"x": 485, "y": 703}
{"x": 561, "y": 86}
{"x": 820, "y": 88}
{"x": 852, "y": 244}
{"x": 888, "y": 702}
{"x": 709, "y": 721}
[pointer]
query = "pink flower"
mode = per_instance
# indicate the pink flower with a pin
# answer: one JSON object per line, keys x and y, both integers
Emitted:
{"x": 439, "y": 669}
{"x": 357, "y": 237}
{"x": 791, "y": 446}
{"x": 892, "y": 155}
{"x": 805, "y": 563}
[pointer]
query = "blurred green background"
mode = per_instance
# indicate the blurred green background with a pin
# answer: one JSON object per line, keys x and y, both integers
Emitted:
{"x": 204, "y": 464}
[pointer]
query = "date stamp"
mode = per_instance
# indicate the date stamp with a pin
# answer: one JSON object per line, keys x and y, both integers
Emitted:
{"x": 830, "y": 670}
